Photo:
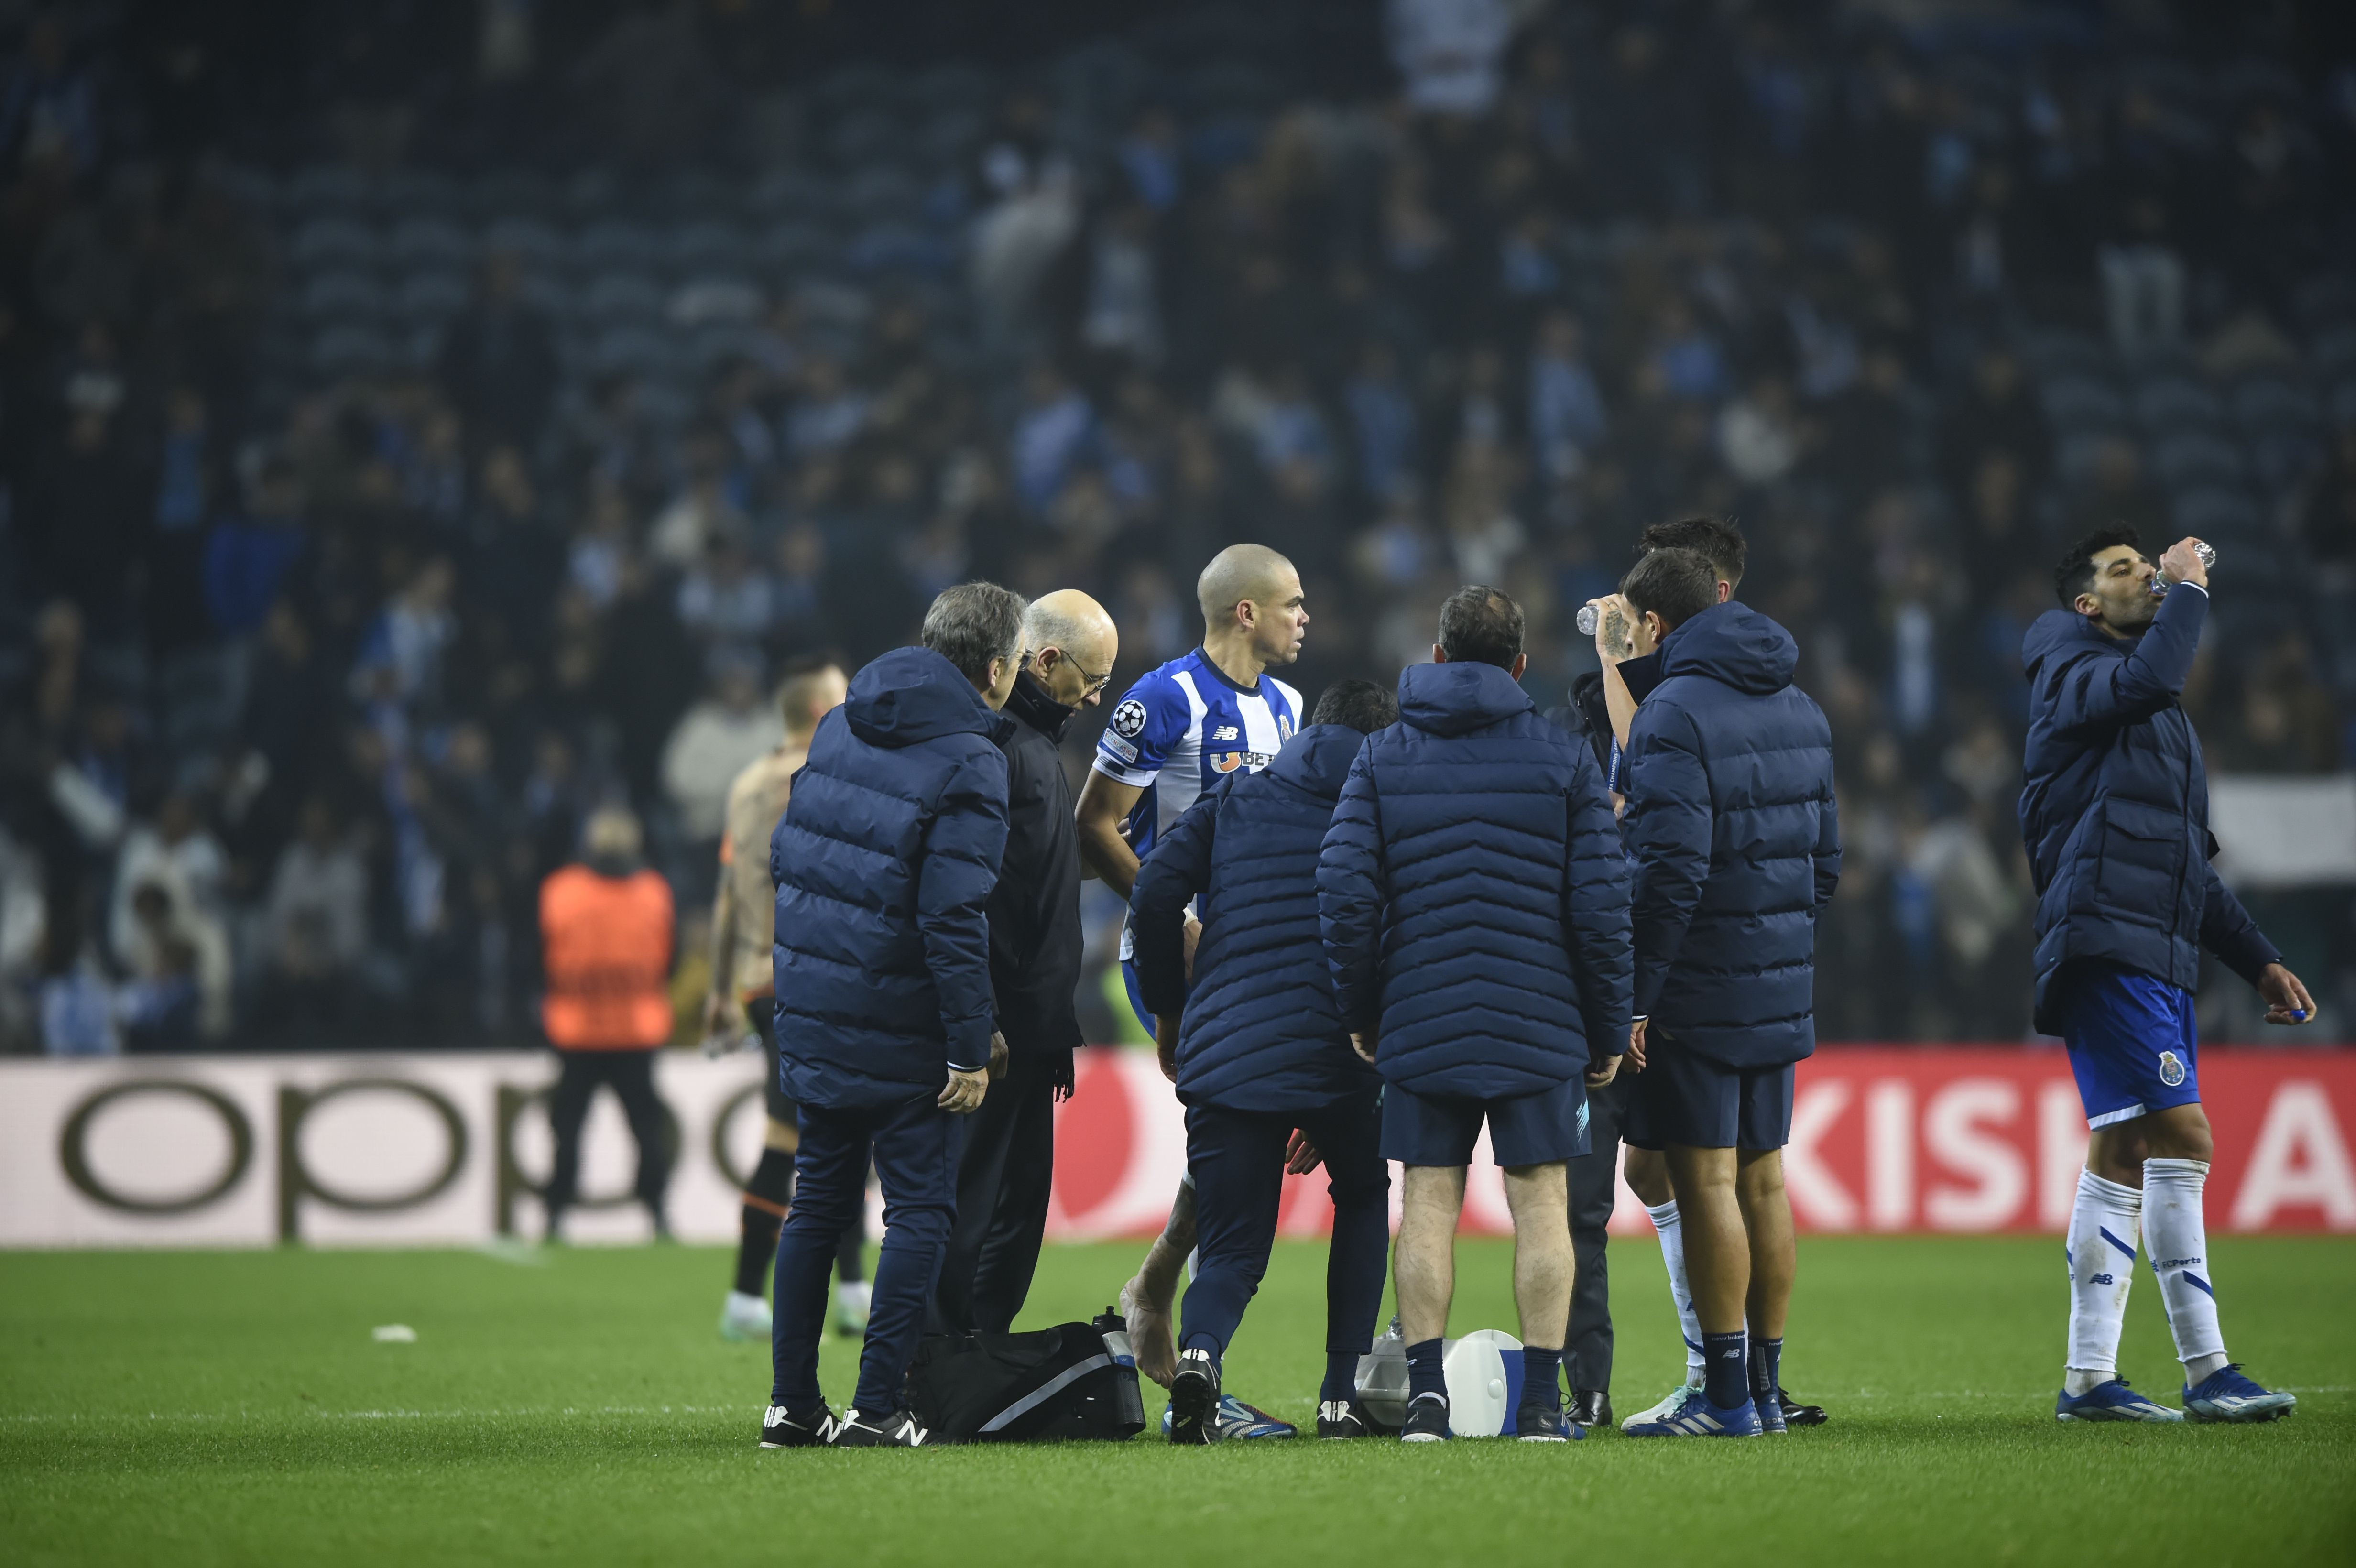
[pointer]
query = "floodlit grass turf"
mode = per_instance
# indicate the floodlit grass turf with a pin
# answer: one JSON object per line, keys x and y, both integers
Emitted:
{"x": 580, "y": 1409}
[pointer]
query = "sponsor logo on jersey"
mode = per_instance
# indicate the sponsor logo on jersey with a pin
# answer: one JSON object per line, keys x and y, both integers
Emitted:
{"x": 1128, "y": 718}
{"x": 1119, "y": 747}
{"x": 1224, "y": 732}
{"x": 2171, "y": 1068}
{"x": 1228, "y": 761}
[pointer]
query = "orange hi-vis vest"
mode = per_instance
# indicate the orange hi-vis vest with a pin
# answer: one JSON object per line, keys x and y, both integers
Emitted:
{"x": 608, "y": 943}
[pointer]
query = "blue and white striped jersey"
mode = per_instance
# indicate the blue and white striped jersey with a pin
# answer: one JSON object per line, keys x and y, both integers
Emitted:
{"x": 1181, "y": 728}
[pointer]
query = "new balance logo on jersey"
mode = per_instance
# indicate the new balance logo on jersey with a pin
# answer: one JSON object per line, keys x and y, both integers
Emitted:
{"x": 1224, "y": 732}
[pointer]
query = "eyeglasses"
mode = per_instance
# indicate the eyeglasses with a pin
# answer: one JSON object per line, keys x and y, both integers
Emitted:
{"x": 1095, "y": 683}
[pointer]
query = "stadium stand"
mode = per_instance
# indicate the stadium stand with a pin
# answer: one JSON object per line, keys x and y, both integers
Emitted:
{"x": 401, "y": 462}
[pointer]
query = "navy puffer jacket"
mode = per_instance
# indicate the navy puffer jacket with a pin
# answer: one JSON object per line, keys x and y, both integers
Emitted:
{"x": 884, "y": 863}
{"x": 2114, "y": 806}
{"x": 1262, "y": 1032}
{"x": 1474, "y": 896}
{"x": 1732, "y": 824}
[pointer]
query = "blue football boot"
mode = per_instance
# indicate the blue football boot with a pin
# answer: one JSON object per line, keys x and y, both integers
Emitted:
{"x": 2226, "y": 1395}
{"x": 2112, "y": 1401}
{"x": 1235, "y": 1420}
{"x": 1696, "y": 1418}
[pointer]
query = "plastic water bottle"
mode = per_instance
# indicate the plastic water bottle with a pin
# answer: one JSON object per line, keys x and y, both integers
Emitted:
{"x": 1588, "y": 620}
{"x": 2202, "y": 548}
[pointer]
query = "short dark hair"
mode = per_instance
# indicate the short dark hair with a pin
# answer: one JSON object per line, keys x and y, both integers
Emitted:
{"x": 1359, "y": 704}
{"x": 2074, "y": 574}
{"x": 1479, "y": 625}
{"x": 1675, "y": 584}
{"x": 973, "y": 623}
{"x": 798, "y": 683}
{"x": 1715, "y": 537}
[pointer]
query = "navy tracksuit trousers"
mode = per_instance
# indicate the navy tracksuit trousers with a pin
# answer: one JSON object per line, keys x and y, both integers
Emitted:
{"x": 1237, "y": 1159}
{"x": 916, "y": 1145}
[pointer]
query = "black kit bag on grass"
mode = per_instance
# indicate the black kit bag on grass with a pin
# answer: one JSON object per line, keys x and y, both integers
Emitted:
{"x": 1073, "y": 1381}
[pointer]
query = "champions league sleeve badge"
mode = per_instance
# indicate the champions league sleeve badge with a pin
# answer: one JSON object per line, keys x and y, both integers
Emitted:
{"x": 1128, "y": 718}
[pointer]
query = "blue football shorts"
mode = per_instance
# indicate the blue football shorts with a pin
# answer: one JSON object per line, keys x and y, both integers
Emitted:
{"x": 2132, "y": 1042}
{"x": 1524, "y": 1129}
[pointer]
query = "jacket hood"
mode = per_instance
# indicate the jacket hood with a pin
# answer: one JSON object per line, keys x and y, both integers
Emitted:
{"x": 1734, "y": 645}
{"x": 2057, "y": 631}
{"x": 913, "y": 695}
{"x": 1458, "y": 699}
{"x": 1318, "y": 759}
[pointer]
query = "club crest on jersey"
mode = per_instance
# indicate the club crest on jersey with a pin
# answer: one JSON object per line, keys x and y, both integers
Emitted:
{"x": 2171, "y": 1068}
{"x": 1283, "y": 728}
{"x": 1128, "y": 718}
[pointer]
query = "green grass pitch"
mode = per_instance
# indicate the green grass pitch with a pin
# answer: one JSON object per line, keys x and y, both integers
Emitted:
{"x": 578, "y": 1407}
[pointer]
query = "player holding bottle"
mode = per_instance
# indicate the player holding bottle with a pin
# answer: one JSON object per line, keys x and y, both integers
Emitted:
{"x": 2114, "y": 815}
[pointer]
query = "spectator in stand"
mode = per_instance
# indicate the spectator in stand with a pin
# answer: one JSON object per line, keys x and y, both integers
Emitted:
{"x": 716, "y": 740}
{"x": 499, "y": 359}
{"x": 248, "y": 559}
{"x": 1567, "y": 417}
{"x": 176, "y": 854}
{"x": 1382, "y": 421}
{"x": 315, "y": 924}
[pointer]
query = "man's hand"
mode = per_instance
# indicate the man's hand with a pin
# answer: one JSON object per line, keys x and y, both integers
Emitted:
{"x": 1189, "y": 934}
{"x": 963, "y": 1095}
{"x": 1612, "y": 636}
{"x": 2182, "y": 563}
{"x": 1596, "y": 1077}
{"x": 1300, "y": 1155}
{"x": 724, "y": 1024}
{"x": 1636, "y": 1046}
{"x": 1363, "y": 1044}
{"x": 1165, "y": 1044}
{"x": 997, "y": 1067}
{"x": 2287, "y": 1000}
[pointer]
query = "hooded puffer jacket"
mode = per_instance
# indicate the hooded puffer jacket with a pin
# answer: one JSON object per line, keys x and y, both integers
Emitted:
{"x": 2114, "y": 806}
{"x": 1260, "y": 1031}
{"x": 883, "y": 864}
{"x": 1734, "y": 826}
{"x": 1472, "y": 893}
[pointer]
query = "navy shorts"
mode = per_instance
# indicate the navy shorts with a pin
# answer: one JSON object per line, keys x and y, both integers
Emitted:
{"x": 1688, "y": 1100}
{"x": 1528, "y": 1129}
{"x": 2133, "y": 1047}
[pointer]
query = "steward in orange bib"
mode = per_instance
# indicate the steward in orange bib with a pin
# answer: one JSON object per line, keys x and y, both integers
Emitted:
{"x": 606, "y": 927}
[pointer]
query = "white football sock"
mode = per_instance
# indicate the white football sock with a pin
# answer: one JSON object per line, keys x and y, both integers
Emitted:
{"x": 2101, "y": 1249}
{"x": 2177, "y": 1237}
{"x": 1666, "y": 1221}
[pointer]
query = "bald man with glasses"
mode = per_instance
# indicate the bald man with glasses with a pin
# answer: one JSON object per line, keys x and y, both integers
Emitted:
{"x": 1068, "y": 645}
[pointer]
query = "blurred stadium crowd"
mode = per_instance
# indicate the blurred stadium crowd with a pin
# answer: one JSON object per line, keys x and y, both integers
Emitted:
{"x": 423, "y": 421}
